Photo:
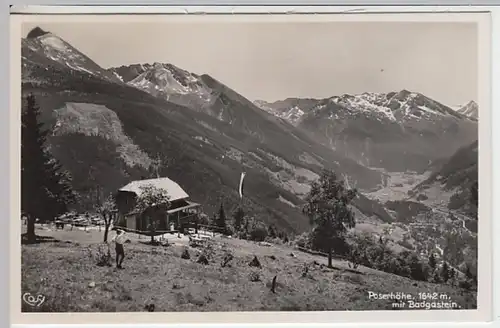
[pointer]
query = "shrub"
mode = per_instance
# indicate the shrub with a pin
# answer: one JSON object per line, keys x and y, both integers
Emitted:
{"x": 405, "y": 244}
{"x": 258, "y": 234}
{"x": 276, "y": 241}
{"x": 255, "y": 230}
{"x": 303, "y": 240}
{"x": 366, "y": 251}
{"x": 202, "y": 259}
{"x": 227, "y": 258}
{"x": 419, "y": 270}
{"x": 254, "y": 276}
{"x": 229, "y": 231}
{"x": 102, "y": 256}
{"x": 203, "y": 219}
{"x": 208, "y": 251}
{"x": 456, "y": 201}
{"x": 255, "y": 262}
{"x": 422, "y": 197}
{"x": 354, "y": 258}
{"x": 465, "y": 284}
{"x": 241, "y": 235}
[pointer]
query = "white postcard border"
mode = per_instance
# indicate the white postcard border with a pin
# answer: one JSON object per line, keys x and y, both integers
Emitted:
{"x": 361, "y": 317}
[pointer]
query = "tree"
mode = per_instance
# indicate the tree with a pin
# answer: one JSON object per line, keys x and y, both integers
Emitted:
{"x": 418, "y": 269}
{"x": 475, "y": 193}
{"x": 432, "y": 261}
{"x": 106, "y": 208}
{"x": 272, "y": 231}
{"x": 471, "y": 273}
{"x": 468, "y": 272}
{"x": 256, "y": 230}
{"x": 437, "y": 277}
{"x": 213, "y": 220}
{"x": 474, "y": 190}
{"x": 327, "y": 208}
{"x": 221, "y": 219}
{"x": 455, "y": 241}
{"x": 445, "y": 272}
{"x": 238, "y": 216}
{"x": 452, "y": 275}
{"x": 149, "y": 203}
{"x": 45, "y": 188}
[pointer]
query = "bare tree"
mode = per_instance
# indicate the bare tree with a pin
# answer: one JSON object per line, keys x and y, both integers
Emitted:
{"x": 106, "y": 208}
{"x": 158, "y": 163}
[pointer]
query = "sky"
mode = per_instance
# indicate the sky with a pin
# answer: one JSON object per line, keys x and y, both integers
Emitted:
{"x": 276, "y": 60}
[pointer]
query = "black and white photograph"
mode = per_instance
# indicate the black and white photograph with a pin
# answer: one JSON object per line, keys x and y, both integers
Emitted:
{"x": 238, "y": 166}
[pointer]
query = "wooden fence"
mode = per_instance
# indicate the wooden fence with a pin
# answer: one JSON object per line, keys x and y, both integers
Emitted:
{"x": 146, "y": 232}
{"x": 202, "y": 229}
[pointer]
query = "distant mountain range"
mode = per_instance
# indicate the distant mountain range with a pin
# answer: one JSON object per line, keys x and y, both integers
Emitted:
{"x": 111, "y": 125}
{"x": 391, "y": 131}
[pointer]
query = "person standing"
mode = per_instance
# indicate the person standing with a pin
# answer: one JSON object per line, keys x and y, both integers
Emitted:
{"x": 119, "y": 240}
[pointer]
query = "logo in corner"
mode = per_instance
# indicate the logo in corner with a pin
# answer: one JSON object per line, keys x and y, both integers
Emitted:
{"x": 32, "y": 300}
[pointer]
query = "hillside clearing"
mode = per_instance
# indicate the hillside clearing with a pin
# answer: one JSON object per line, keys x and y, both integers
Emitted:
{"x": 63, "y": 271}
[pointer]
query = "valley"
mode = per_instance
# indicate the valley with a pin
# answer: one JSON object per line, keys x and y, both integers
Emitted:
{"x": 111, "y": 126}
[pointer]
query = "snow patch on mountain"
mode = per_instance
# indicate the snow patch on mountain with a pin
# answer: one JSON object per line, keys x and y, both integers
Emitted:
{"x": 169, "y": 80}
{"x": 366, "y": 102}
{"x": 292, "y": 114}
{"x": 471, "y": 109}
{"x": 203, "y": 139}
{"x": 394, "y": 106}
{"x": 208, "y": 126}
{"x": 118, "y": 76}
{"x": 57, "y": 44}
{"x": 56, "y": 49}
{"x": 286, "y": 201}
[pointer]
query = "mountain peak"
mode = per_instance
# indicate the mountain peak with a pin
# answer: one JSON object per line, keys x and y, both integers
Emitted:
{"x": 157, "y": 65}
{"x": 471, "y": 110}
{"x": 40, "y": 43}
{"x": 36, "y": 32}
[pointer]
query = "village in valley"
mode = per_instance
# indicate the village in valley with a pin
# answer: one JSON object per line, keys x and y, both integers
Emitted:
{"x": 150, "y": 188}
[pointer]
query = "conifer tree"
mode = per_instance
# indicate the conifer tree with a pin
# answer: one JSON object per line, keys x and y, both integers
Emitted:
{"x": 238, "y": 217}
{"x": 221, "y": 219}
{"x": 272, "y": 231}
{"x": 475, "y": 194}
{"x": 432, "y": 261}
{"x": 445, "y": 272}
{"x": 45, "y": 189}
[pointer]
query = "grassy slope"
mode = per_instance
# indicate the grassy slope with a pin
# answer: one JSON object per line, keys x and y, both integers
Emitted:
{"x": 62, "y": 271}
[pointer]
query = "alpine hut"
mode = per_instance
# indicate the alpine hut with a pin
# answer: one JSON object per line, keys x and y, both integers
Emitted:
{"x": 181, "y": 213}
